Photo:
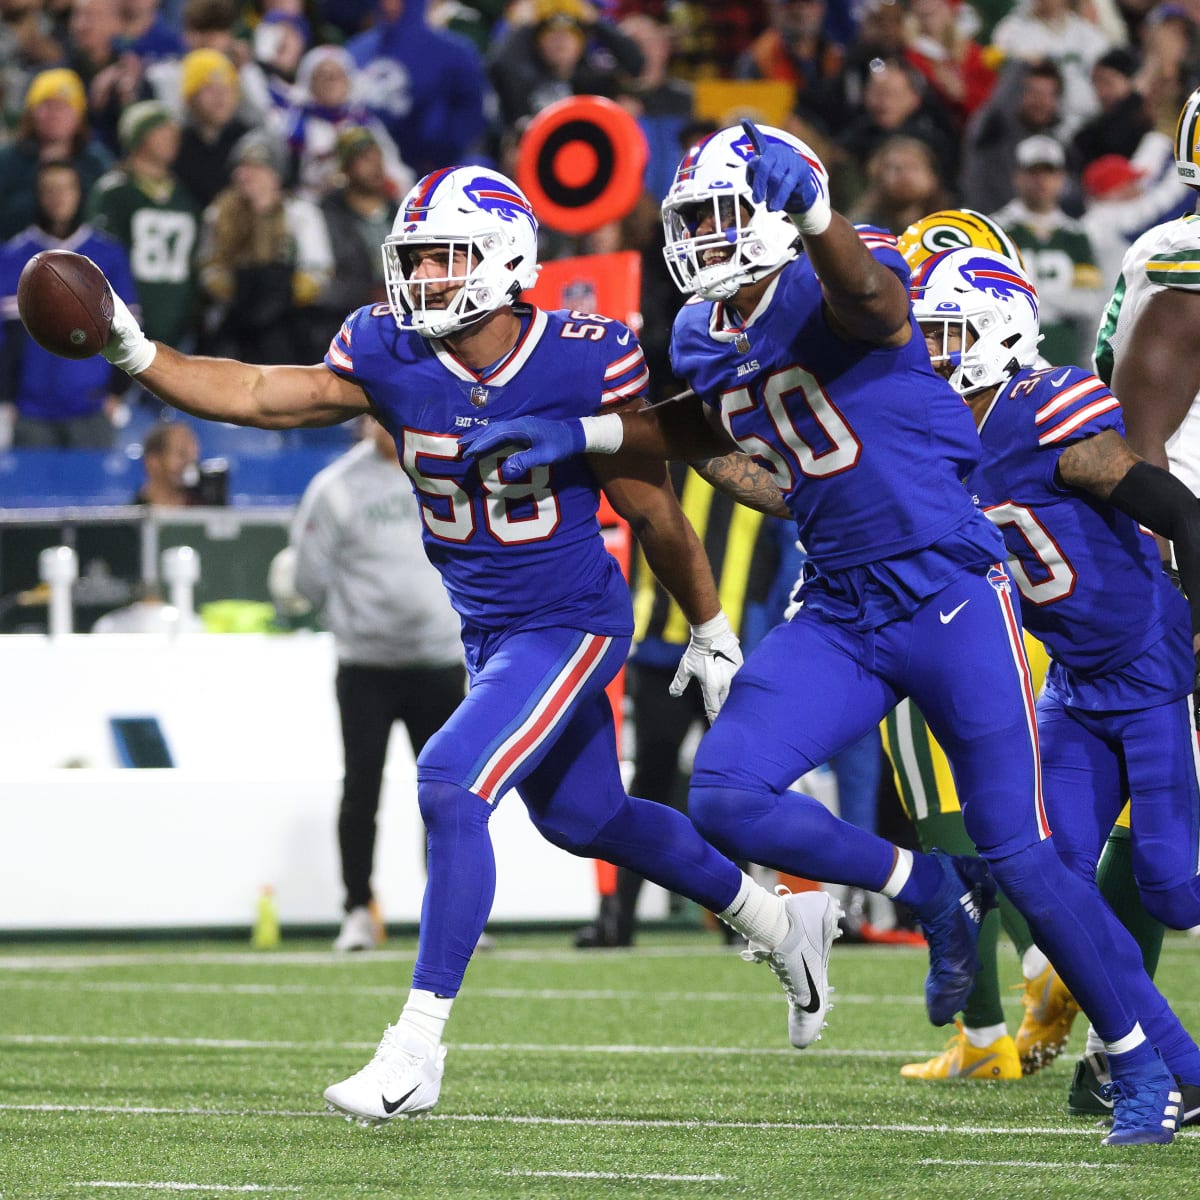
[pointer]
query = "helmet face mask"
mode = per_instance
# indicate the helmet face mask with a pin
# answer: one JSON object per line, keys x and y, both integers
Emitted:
{"x": 992, "y": 307}
{"x": 471, "y": 237}
{"x": 741, "y": 241}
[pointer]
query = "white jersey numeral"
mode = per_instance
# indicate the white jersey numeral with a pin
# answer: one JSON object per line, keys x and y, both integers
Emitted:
{"x": 782, "y": 392}
{"x": 1060, "y": 576}
{"x": 450, "y": 516}
{"x": 513, "y": 513}
{"x": 161, "y": 250}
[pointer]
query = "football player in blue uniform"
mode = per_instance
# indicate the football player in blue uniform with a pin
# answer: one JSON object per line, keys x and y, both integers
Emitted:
{"x": 801, "y": 348}
{"x": 1069, "y": 495}
{"x": 546, "y": 613}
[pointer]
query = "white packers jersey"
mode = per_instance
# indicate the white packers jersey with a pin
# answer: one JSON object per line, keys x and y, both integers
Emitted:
{"x": 1167, "y": 256}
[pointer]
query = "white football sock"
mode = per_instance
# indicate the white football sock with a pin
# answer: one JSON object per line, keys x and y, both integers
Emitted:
{"x": 982, "y": 1038}
{"x": 757, "y": 914}
{"x": 901, "y": 870}
{"x": 1131, "y": 1041}
{"x": 1033, "y": 963}
{"x": 427, "y": 1012}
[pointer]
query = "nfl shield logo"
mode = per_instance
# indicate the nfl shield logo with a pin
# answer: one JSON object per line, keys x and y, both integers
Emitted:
{"x": 479, "y": 396}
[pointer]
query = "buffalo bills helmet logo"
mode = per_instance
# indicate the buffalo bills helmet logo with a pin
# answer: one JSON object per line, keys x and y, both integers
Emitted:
{"x": 493, "y": 196}
{"x": 996, "y": 278}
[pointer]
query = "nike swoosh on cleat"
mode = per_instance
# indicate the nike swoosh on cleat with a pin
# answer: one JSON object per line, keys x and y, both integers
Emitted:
{"x": 976, "y": 1067}
{"x": 1107, "y": 1103}
{"x": 390, "y": 1106}
{"x": 814, "y": 1001}
{"x": 946, "y": 618}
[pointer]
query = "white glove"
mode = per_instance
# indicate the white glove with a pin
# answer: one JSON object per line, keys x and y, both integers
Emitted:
{"x": 712, "y": 657}
{"x": 128, "y": 347}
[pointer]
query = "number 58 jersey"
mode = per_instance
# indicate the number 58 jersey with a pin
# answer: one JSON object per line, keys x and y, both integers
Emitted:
{"x": 525, "y": 553}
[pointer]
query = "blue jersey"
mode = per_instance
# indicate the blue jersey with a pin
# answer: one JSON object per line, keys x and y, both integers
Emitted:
{"x": 867, "y": 444}
{"x": 528, "y": 553}
{"x": 1091, "y": 582}
{"x": 49, "y": 387}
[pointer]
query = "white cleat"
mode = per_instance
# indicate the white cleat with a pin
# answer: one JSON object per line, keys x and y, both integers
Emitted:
{"x": 801, "y": 961}
{"x": 404, "y": 1077}
{"x": 358, "y": 932}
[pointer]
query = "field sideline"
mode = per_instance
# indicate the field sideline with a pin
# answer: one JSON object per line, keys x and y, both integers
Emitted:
{"x": 196, "y": 1069}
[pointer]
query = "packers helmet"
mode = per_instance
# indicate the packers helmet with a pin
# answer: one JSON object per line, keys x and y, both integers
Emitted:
{"x": 953, "y": 229}
{"x": 1187, "y": 141}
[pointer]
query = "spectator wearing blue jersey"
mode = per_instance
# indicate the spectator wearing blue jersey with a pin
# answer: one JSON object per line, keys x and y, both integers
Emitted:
{"x": 1115, "y": 715}
{"x": 427, "y": 86}
{"x": 60, "y": 403}
{"x": 545, "y": 611}
{"x": 146, "y": 33}
{"x": 803, "y": 351}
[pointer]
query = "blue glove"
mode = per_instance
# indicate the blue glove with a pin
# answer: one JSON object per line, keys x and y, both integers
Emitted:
{"x": 545, "y": 442}
{"x": 782, "y": 177}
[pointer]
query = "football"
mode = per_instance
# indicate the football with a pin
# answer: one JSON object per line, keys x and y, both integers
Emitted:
{"x": 64, "y": 302}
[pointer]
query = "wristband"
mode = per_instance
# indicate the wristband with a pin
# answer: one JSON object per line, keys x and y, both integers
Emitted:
{"x": 603, "y": 434}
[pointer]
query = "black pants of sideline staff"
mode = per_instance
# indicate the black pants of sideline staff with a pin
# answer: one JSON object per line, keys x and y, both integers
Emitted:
{"x": 371, "y": 700}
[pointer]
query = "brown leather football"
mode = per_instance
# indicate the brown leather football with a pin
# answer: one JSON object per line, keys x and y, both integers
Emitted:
{"x": 64, "y": 302}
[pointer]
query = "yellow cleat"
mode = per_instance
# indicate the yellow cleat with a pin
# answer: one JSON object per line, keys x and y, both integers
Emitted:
{"x": 961, "y": 1060}
{"x": 1050, "y": 1010}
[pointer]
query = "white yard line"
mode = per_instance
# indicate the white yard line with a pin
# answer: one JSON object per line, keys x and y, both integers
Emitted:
{"x": 328, "y": 958}
{"x": 621, "y": 1176}
{"x": 48, "y": 1039}
{"x": 1023, "y": 1164}
{"x": 301, "y": 989}
{"x": 1174, "y": 948}
{"x": 841, "y": 1128}
{"x": 163, "y": 1185}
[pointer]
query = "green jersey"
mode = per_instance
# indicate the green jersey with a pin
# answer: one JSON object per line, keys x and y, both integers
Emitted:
{"x": 159, "y": 228}
{"x": 1061, "y": 261}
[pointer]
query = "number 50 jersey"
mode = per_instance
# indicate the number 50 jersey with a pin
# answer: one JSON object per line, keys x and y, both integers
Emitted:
{"x": 528, "y": 553}
{"x": 868, "y": 446}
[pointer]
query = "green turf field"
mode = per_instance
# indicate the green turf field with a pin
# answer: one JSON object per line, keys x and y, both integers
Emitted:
{"x": 156, "y": 1069}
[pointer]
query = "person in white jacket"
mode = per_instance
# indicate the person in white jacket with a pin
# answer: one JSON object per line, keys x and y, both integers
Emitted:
{"x": 356, "y": 538}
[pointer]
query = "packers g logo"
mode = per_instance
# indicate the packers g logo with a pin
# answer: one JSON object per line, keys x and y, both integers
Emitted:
{"x": 954, "y": 229}
{"x": 944, "y": 237}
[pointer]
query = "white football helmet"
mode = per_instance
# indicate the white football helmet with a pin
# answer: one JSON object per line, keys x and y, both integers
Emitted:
{"x": 488, "y": 230}
{"x": 748, "y": 241}
{"x": 983, "y": 293}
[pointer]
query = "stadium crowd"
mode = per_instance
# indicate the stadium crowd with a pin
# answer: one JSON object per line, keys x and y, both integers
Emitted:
{"x": 246, "y": 160}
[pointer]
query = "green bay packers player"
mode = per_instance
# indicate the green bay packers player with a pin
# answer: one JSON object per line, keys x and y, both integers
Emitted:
{"x": 1147, "y": 351}
{"x": 982, "y": 1048}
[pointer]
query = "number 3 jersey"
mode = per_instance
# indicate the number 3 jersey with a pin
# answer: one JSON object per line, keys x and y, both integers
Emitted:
{"x": 528, "y": 553}
{"x": 867, "y": 444}
{"x": 1091, "y": 582}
